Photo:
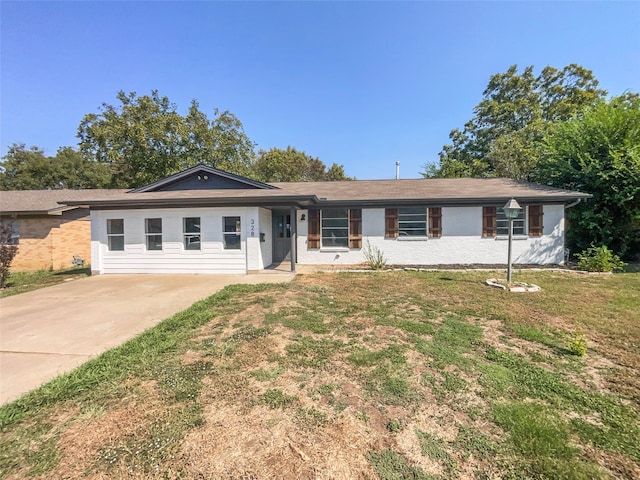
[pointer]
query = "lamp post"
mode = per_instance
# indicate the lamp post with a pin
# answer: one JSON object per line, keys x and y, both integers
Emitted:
{"x": 511, "y": 211}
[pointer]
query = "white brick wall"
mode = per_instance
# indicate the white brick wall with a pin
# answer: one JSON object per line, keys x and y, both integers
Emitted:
{"x": 461, "y": 242}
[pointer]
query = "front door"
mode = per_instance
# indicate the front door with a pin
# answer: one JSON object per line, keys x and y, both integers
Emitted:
{"x": 281, "y": 236}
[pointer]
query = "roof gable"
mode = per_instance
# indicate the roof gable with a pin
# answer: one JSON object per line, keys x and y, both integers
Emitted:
{"x": 203, "y": 177}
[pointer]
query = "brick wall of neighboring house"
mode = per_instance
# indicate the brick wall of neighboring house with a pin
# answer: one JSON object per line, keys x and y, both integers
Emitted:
{"x": 52, "y": 240}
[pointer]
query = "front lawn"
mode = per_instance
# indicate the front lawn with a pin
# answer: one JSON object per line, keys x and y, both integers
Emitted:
{"x": 21, "y": 282}
{"x": 392, "y": 375}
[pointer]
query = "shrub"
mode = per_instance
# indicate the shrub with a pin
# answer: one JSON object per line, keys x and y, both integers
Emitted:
{"x": 374, "y": 256}
{"x": 599, "y": 259}
{"x": 577, "y": 344}
{"x": 8, "y": 250}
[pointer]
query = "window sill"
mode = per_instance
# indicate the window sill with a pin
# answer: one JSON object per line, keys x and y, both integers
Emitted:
{"x": 412, "y": 239}
{"x": 514, "y": 238}
{"x": 334, "y": 249}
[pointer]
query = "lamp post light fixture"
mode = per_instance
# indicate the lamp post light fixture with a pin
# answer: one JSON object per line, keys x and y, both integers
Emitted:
{"x": 511, "y": 211}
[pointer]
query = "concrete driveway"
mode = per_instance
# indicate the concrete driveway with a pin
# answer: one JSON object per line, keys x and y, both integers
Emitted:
{"x": 50, "y": 331}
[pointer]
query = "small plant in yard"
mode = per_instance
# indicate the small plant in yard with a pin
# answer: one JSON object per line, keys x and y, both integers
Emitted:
{"x": 374, "y": 256}
{"x": 599, "y": 259}
{"x": 577, "y": 343}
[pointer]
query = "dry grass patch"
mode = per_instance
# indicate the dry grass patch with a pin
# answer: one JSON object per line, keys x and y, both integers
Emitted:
{"x": 385, "y": 375}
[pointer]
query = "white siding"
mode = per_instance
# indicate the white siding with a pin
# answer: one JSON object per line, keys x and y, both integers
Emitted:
{"x": 461, "y": 242}
{"x": 211, "y": 258}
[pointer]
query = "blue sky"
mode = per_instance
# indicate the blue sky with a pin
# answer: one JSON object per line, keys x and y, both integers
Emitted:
{"x": 362, "y": 84}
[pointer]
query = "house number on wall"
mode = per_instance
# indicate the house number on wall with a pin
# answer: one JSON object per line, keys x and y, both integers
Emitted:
{"x": 253, "y": 227}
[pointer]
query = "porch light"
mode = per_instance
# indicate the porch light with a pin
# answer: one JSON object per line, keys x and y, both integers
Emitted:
{"x": 511, "y": 211}
{"x": 303, "y": 217}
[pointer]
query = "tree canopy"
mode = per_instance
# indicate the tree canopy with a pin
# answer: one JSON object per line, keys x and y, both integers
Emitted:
{"x": 599, "y": 153}
{"x": 291, "y": 165}
{"x": 513, "y": 116}
{"x": 25, "y": 168}
{"x": 144, "y": 139}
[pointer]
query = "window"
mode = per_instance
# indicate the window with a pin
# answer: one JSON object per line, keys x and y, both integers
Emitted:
{"x": 412, "y": 222}
{"x": 191, "y": 232}
{"x": 502, "y": 223}
{"x": 494, "y": 222}
{"x": 231, "y": 233}
{"x": 335, "y": 227}
{"x": 115, "y": 234}
{"x": 153, "y": 231}
{"x": 10, "y": 232}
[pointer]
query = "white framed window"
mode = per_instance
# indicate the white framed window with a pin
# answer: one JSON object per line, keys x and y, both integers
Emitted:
{"x": 153, "y": 232}
{"x": 191, "y": 233}
{"x": 502, "y": 223}
{"x": 412, "y": 222}
{"x": 115, "y": 234}
{"x": 335, "y": 227}
{"x": 231, "y": 233}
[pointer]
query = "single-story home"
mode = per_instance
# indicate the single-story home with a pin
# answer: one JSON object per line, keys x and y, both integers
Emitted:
{"x": 204, "y": 220}
{"x": 48, "y": 234}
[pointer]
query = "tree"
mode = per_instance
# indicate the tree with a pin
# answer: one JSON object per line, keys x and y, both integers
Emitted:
{"x": 25, "y": 168}
{"x": 291, "y": 165}
{"x": 512, "y": 118}
{"x": 599, "y": 153}
{"x": 144, "y": 139}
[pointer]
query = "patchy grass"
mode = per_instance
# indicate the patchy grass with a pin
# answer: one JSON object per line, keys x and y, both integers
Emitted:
{"x": 21, "y": 282}
{"x": 390, "y": 375}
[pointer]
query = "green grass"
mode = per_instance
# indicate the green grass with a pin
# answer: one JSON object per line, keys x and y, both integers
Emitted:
{"x": 442, "y": 357}
{"x": 22, "y": 282}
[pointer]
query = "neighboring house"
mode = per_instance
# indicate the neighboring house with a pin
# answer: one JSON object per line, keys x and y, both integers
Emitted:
{"x": 48, "y": 234}
{"x": 204, "y": 220}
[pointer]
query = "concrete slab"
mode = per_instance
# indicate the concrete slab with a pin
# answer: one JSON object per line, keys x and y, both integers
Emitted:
{"x": 53, "y": 330}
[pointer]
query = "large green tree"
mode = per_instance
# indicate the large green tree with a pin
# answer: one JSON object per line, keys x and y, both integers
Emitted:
{"x": 144, "y": 138}
{"x": 291, "y": 165}
{"x": 516, "y": 111}
{"x": 25, "y": 168}
{"x": 599, "y": 153}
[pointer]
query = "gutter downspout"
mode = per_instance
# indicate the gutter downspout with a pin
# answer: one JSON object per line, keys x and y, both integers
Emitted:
{"x": 573, "y": 204}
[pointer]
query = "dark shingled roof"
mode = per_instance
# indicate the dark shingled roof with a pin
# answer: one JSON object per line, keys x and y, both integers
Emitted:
{"x": 438, "y": 191}
{"x": 39, "y": 202}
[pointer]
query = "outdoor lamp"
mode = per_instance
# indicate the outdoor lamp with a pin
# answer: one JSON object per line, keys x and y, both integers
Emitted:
{"x": 511, "y": 211}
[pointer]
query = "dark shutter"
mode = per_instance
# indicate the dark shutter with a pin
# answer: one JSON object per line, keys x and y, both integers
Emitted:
{"x": 313, "y": 235}
{"x": 390, "y": 222}
{"x": 535, "y": 220}
{"x": 355, "y": 228}
{"x": 435, "y": 222}
{"x": 489, "y": 222}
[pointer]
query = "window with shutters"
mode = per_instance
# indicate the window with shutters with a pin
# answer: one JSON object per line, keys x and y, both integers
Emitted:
{"x": 406, "y": 222}
{"x": 334, "y": 228}
{"x": 495, "y": 223}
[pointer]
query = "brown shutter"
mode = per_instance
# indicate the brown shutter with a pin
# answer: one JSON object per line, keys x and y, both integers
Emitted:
{"x": 535, "y": 220}
{"x": 355, "y": 228}
{"x": 390, "y": 223}
{"x": 435, "y": 222}
{"x": 489, "y": 222}
{"x": 313, "y": 235}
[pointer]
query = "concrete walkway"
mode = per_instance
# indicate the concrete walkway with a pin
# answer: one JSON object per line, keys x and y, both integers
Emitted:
{"x": 53, "y": 330}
